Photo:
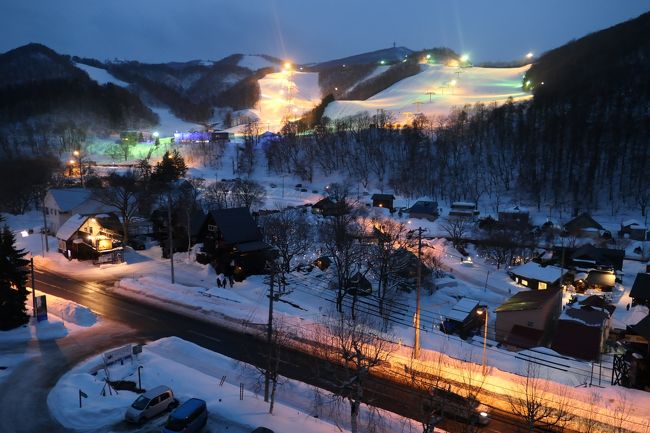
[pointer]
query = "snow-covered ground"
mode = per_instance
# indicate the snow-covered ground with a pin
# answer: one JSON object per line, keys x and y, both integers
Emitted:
{"x": 102, "y": 76}
{"x": 450, "y": 87}
{"x": 193, "y": 372}
{"x": 255, "y": 62}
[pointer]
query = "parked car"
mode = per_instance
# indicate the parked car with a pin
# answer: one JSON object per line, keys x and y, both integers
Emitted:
{"x": 150, "y": 404}
{"x": 137, "y": 243}
{"x": 190, "y": 417}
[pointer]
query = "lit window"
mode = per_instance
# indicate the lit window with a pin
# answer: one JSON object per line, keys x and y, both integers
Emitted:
{"x": 541, "y": 286}
{"x": 524, "y": 282}
{"x": 212, "y": 228}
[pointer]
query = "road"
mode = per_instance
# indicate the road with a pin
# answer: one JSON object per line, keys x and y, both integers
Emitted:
{"x": 148, "y": 322}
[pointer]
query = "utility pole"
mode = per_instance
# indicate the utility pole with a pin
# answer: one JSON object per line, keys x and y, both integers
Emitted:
{"x": 269, "y": 338}
{"x": 416, "y": 345}
{"x": 31, "y": 262}
{"x": 430, "y": 93}
{"x": 170, "y": 237}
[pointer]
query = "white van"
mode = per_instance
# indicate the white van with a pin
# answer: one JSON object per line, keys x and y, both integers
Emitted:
{"x": 150, "y": 404}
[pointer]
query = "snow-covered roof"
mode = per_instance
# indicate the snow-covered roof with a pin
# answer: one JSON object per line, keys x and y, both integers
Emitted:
{"x": 71, "y": 226}
{"x": 535, "y": 271}
{"x": 462, "y": 309}
{"x": 586, "y": 316}
{"x": 630, "y": 222}
{"x": 69, "y": 198}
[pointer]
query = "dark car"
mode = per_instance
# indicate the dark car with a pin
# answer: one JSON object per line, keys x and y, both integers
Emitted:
{"x": 262, "y": 430}
{"x": 137, "y": 244}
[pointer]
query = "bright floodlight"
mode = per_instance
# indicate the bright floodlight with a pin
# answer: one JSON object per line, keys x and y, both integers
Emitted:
{"x": 464, "y": 58}
{"x": 156, "y": 134}
{"x": 428, "y": 56}
{"x": 529, "y": 55}
{"x": 71, "y": 161}
{"x": 24, "y": 233}
{"x": 453, "y": 82}
{"x": 382, "y": 62}
{"x": 75, "y": 153}
{"x": 287, "y": 66}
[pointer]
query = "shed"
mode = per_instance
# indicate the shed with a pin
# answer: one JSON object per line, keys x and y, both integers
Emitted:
{"x": 633, "y": 229}
{"x": 581, "y": 333}
{"x": 383, "y": 200}
{"x": 462, "y": 209}
{"x": 537, "y": 277}
{"x": 327, "y": 207}
{"x": 359, "y": 285}
{"x": 514, "y": 216}
{"x": 601, "y": 280}
{"x": 640, "y": 292}
{"x": 462, "y": 317}
{"x": 581, "y": 225}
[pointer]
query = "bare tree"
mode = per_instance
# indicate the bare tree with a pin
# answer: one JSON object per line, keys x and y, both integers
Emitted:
{"x": 122, "y": 192}
{"x": 217, "y": 195}
{"x": 355, "y": 346}
{"x": 247, "y": 193}
{"x": 620, "y": 411}
{"x": 537, "y": 403}
{"x": 457, "y": 228}
{"x": 289, "y": 233}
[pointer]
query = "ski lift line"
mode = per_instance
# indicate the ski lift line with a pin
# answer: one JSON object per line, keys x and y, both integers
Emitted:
{"x": 375, "y": 313}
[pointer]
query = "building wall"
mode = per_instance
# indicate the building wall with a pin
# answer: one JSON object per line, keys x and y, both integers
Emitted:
{"x": 536, "y": 319}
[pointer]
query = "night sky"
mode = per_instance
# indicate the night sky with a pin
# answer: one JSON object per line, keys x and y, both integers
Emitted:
{"x": 302, "y": 30}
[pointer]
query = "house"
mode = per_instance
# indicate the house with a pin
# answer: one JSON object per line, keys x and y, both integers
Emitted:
{"x": 463, "y": 209}
{"x": 640, "y": 292}
{"x": 358, "y": 285}
{"x": 462, "y": 317}
{"x": 605, "y": 281}
{"x": 583, "y": 226}
{"x": 525, "y": 319}
{"x": 233, "y": 243}
{"x": 61, "y": 203}
{"x": 322, "y": 263}
{"x": 93, "y": 237}
{"x": 327, "y": 207}
{"x": 589, "y": 257}
{"x": 424, "y": 209}
{"x": 582, "y": 332}
{"x": 634, "y": 230}
{"x": 514, "y": 216}
{"x": 537, "y": 277}
{"x": 383, "y": 200}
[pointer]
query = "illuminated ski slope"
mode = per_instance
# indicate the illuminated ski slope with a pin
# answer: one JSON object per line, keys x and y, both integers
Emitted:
{"x": 437, "y": 89}
{"x": 286, "y": 95}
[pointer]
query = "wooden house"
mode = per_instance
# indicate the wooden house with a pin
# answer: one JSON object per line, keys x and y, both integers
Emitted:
{"x": 537, "y": 277}
{"x": 514, "y": 216}
{"x": 461, "y": 209}
{"x": 233, "y": 243}
{"x": 383, "y": 200}
{"x": 589, "y": 257}
{"x": 61, "y": 203}
{"x": 525, "y": 319}
{"x": 462, "y": 318}
{"x": 640, "y": 292}
{"x": 327, "y": 207}
{"x": 582, "y": 332}
{"x": 583, "y": 226}
{"x": 634, "y": 230}
{"x": 93, "y": 237}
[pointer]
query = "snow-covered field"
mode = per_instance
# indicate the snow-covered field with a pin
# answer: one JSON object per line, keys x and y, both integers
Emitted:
{"x": 449, "y": 86}
{"x": 102, "y": 76}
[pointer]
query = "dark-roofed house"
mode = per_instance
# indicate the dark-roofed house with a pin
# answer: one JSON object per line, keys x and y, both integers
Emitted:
{"x": 233, "y": 242}
{"x": 537, "y": 277}
{"x": 462, "y": 317}
{"x": 601, "y": 280}
{"x": 532, "y": 312}
{"x": 383, "y": 200}
{"x": 582, "y": 332}
{"x": 93, "y": 237}
{"x": 514, "y": 216}
{"x": 327, "y": 207}
{"x": 462, "y": 209}
{"x": 424, "y": 209}
{"x": 583, "y": 225}
{"x": 589, "y": 257}
{"x": 640, "y": 292}
{"x": 633, "y": 230}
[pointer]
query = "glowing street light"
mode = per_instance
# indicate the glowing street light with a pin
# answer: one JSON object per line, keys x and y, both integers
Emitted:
{"x": 382, "y": 62}
{"x": 453, "y": 83}
{"x": 428, "y": 56}
{"x": 464, "y": 58}
{"x": 287, "y": 66}
{"x": 156, "y": 134}
{"x": 480, "y": 312}
{"x": 529, "y": 55}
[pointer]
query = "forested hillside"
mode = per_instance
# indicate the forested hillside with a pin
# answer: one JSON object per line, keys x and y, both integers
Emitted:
{"x": 582, "y": 143}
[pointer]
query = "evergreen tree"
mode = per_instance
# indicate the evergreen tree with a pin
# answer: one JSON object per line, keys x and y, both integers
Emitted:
{"x": 13, "y": 280}
{"x": 171, "y": 168}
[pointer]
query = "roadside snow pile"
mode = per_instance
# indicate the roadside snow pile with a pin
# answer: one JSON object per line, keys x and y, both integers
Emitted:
{"x": 72, "y": 312}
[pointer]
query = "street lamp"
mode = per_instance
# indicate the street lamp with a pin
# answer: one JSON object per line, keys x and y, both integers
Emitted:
{"x": 484, "y": 310}
{"x": 529, "y": 55}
